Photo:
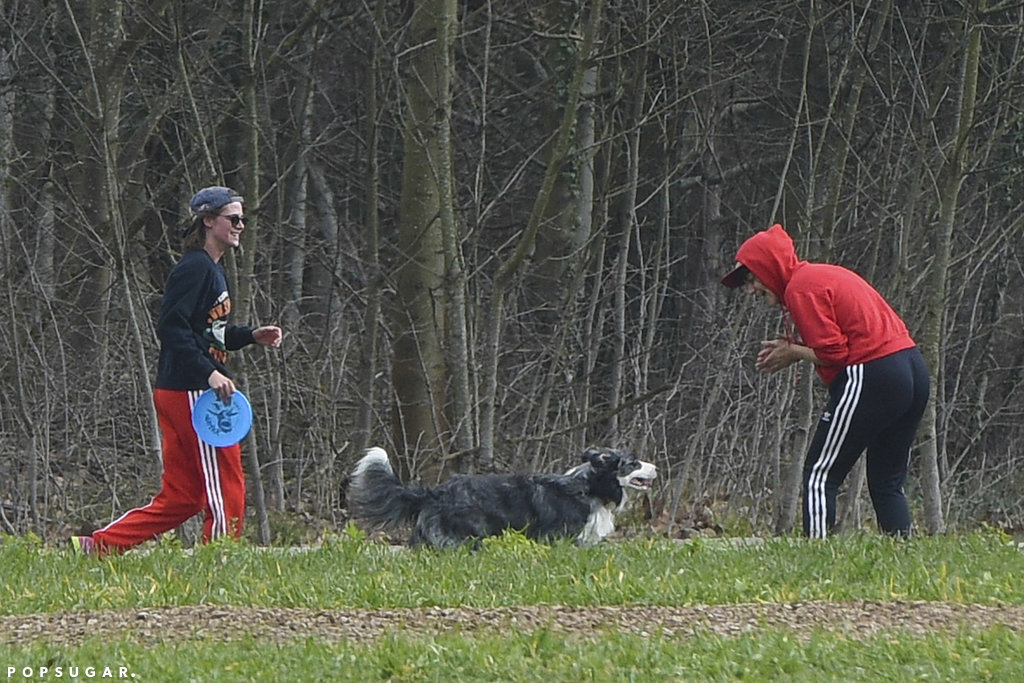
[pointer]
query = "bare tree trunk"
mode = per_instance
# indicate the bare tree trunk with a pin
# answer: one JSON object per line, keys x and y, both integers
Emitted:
{"x": 787, "y": 499}
{"x": 245, "y": 262}
{"x": 7, "y": 102}
{"x": 295, "y": 226}
{"x": 100, "y": 37}
{"x": 100, "y": 197}
{"x": 371, "y": 249}
{"x": 788, "y": 496}
{"x": 420, "y": 325}
{"x": 573, "y": 229}
{"x": 841, "y": 140}
{"x": 629, "y": 225}
{"x": 461, "y": 411}
{"x": 952, "y": 178}
{"x": 508, "y": 269}
{"x": 849, "y": 515}
{"x": 39, "y": 254}
{"x": 566, "y": 225}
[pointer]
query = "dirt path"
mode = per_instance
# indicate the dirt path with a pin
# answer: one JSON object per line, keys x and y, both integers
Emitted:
{"x": 856, "y": 619}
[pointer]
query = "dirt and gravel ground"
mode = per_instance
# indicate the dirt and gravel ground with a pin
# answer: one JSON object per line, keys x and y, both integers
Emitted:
{"x": 855, "y": 619}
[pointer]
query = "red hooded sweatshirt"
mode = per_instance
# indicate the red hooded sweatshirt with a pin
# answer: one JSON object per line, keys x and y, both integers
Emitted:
{"x": 835, "y": 311}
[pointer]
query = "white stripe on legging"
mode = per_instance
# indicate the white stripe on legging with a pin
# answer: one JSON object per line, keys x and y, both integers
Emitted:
{"x": 817, "y": 503}
{"x": 211, "y": 477}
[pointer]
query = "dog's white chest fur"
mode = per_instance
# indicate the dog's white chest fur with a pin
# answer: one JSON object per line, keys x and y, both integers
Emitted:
{"x": 600, "y": 523}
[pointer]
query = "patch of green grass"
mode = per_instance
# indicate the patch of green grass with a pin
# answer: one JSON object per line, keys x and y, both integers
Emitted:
{"x": 994, "y": 654}
{"x": 350, "y": 572}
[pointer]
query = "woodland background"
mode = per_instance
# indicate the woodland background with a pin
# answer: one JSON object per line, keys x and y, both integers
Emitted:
{"x": 493, "y": 234}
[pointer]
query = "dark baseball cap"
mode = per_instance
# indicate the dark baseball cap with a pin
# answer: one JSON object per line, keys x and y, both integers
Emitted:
{"x": 212, "y": 199}
{"x": 736, "y": 277}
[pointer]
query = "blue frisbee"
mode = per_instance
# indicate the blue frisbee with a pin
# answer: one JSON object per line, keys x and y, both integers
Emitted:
{"x": 218, "y": 424}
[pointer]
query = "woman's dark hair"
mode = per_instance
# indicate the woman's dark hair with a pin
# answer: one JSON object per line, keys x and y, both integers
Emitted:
{"x": 195, "y": 235}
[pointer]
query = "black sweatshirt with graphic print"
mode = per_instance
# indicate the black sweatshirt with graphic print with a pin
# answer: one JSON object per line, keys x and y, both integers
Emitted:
{"x": 193, "y": 325}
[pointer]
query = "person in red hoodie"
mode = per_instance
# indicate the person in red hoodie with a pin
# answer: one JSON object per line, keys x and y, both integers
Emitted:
{"x": 877, "y": 380}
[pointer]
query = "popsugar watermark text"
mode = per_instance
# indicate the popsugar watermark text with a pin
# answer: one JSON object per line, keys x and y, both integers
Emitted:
{"x": 70, "y": 672}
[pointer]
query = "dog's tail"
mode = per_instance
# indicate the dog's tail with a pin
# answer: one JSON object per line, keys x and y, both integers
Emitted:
{"x": 377, "y": 496}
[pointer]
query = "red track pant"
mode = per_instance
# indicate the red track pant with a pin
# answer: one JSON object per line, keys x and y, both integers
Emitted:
{"x": 197, "y": 478}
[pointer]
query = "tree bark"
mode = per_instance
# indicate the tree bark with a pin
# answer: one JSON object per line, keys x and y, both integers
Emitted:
{"x": 371, "y": 247}
{"x": 494, "y": 316}
{"x": 420, "y": 376}
{"x": 245, "y": 262}
{"x": 952, "y": 178}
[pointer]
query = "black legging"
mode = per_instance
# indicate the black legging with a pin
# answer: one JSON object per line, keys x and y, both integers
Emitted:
{"x": 875, "y": 406}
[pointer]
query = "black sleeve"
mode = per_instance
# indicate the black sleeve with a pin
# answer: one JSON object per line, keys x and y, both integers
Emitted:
{"x": 182, "y": 298}
{"x": 237, "y": 336}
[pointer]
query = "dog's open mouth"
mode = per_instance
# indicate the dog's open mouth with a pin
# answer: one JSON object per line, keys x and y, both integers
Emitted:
{"x": 643, "y": 478}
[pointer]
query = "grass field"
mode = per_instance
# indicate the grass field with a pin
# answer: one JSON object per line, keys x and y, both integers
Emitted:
{"x": 859, "y": 607}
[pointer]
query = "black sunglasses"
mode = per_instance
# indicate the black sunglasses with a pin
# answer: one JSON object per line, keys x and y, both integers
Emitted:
{"x": 235, "y": 218}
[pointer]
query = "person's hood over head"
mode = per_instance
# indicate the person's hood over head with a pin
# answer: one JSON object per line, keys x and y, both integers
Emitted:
{"x": 770, "y": 255}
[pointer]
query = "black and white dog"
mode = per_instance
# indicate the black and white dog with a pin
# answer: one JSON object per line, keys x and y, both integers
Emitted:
{"x": 580, "y": 503}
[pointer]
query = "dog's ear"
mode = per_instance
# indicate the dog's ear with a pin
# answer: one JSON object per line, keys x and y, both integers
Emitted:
{"x": 600, "y": 457}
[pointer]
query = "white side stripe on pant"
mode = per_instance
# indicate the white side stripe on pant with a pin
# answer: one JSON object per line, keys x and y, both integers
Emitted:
{"x": 211, "y": 477}
{"x": 816, "y": 500}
